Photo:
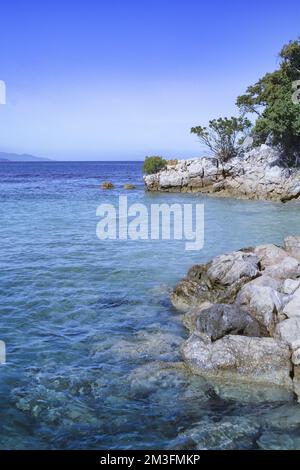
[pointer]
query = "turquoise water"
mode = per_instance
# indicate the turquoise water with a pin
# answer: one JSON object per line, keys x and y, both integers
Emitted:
{"x": 85, "y": 321}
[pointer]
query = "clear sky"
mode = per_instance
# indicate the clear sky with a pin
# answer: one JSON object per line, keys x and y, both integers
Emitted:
{"x": 121, "y": 79}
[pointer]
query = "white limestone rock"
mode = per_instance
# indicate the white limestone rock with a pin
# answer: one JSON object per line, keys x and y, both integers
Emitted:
{"x": 296, "y": 357}
{"x": 292, "y": 308}
{"x": 292, "y": 245}
{"x": 289, "y": 331}
{"x": 290, "y": 286}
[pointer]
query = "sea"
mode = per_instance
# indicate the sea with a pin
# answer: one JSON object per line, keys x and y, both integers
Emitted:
{"x": 92, "y": 340}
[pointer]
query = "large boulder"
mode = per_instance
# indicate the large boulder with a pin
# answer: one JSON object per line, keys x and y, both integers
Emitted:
{"x": 240, "y": 358}
{"x": 230, "y": 268}
{"x": 190, "y": 317}
{"x": 289, "y": 332}
{"x": 221, "y": 319}
{"x": 270, "y": 254}
{"x": 263, "y": 303}
{"x": 289, "y": 267}
{"x": 217, "y": 281}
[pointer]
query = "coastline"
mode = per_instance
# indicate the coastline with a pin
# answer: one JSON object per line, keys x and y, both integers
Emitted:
{"x": 242, "y": 313}
{"x": 256, "y": 175}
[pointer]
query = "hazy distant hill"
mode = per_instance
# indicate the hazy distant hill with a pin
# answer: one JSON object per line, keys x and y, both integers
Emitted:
{"x": 14, "y": 157}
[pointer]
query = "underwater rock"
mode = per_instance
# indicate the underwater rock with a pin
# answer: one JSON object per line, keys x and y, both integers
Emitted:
{"x": 144, "y": 345}
{"x": 228, "y": 434}
{"x": 271, "y": 440}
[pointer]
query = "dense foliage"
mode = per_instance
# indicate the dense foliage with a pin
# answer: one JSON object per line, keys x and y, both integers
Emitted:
{"x": 223, "y": 136}
{"x": 153, "y": 164}
{"x": 275, "y": 102}
{"x": 274, "y": 99}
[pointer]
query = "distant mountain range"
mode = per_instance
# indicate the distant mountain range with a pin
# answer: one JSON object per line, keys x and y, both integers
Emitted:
{"x": 14, "y": 157}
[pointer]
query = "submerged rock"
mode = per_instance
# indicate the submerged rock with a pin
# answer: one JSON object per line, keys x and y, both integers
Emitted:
{"x": 229, "y": 434}
{"x": 278, "y": 441}
{"x": 283, "y": 417}
{"x": 145, "y": 345}
{"x": 150, "y": 380}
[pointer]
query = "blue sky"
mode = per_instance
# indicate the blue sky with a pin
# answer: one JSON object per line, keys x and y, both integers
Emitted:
{"x": 113, "y": 80}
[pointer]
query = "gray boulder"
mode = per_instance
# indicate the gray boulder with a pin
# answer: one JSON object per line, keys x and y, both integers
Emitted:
{"x": 221, "y": 319}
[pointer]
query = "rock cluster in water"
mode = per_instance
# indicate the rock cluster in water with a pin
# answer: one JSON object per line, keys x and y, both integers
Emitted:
{"x": 257, "y": 174}
{"x": 242, "y": 310}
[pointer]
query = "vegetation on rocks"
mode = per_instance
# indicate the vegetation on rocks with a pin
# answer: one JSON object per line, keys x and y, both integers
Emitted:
{"x": 153, "y": 164}
{"x": 223, "y": 136}
{"x": 275, "y": 102}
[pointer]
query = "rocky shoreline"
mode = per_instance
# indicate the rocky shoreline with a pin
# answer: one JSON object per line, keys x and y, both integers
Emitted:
{"x": 257, "y": 174}
{"x": 242, "y": 310}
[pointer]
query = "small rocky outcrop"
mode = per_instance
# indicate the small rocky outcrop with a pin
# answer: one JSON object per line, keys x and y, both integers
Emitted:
{"x": 242, "y": 310}
{"x": 257, "y": 174}
{"x": 107, "y": 185}
{"x": 217, "y": 281}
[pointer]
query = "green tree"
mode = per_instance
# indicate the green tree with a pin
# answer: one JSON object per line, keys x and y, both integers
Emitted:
{"x": 270, "y": 99}
{"x": 153, "y": 164}
{"x": 223, "y": 136}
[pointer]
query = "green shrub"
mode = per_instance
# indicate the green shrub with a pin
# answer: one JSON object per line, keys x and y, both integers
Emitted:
{"x": 222, "y": 136}
{"x": 153, "y": 164}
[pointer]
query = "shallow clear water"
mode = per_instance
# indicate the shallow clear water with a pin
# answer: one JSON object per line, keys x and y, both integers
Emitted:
{"x": 85, "y": 320}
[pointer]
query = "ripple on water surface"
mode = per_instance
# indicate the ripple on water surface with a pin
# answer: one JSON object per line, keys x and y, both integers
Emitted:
{"x": 92, "y": 341}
